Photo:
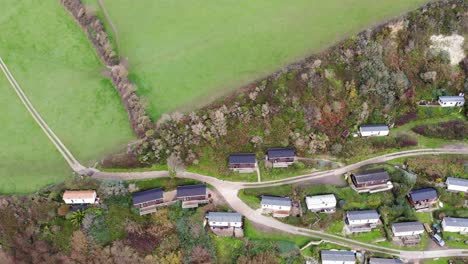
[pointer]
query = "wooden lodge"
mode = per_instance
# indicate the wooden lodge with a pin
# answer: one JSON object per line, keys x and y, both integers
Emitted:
{"x": 371, "y": 181}
{"x": 423, "y": 198}
{"x": 280, "y": 157}
{"x": 243, "y": 162}
{"x": 147, "y": 201}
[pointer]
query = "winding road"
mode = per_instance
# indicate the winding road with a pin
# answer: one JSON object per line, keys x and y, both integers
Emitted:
{"x": 229, "y": 189}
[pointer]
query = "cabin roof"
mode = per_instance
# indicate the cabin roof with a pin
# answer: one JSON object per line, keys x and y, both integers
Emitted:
{"x": 242, "y": 158}
{"x": 274, "y": 200}
{"x": 275, "y": 153}
{"x": 362, "y": 215}
{"x": 371, "y": 176}
{"x": 384, "y": 261}
{"x": 224, "y": 217}
{"x": 407, "y": 227}
{"x": 147, "y": 196}
{"x": 457, "y": 181}
{"x": 376, "y": 127}
{"x": 337, "y": 255}
{"x": 452, "y": 98}
{"x": 423, "y": 194}
{"x": 458, "y": 222}
{"x": 191, "y": 190}
{"x": 80, "y": 194}
{"x": 319, "y": 200}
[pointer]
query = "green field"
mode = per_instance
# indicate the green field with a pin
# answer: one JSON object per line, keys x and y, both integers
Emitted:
{"x": 186, "y": 53}
{"x": 53, "y": 61}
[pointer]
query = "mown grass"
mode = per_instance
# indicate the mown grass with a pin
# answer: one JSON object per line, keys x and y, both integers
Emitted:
{"x": 455, "y": 240}
{"x": 192, "y": 51}
{"x": 252, "y": 232}
{"x": 28, "y": 161}
{"x": 53, "y": 61}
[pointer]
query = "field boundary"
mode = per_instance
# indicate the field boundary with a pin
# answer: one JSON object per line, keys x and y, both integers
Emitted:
{"x": 96, "y": 33}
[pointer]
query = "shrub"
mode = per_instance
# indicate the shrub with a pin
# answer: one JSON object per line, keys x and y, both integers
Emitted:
{"x": 63, "y": 210}
{"x": 454, "y": 129}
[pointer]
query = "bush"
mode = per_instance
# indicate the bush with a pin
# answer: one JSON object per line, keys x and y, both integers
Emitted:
{"x": 454, "y": 129}
{"x": 63, "y": 210}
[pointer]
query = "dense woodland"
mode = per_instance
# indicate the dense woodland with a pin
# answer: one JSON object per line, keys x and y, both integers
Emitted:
{"x": 377, "y": 76}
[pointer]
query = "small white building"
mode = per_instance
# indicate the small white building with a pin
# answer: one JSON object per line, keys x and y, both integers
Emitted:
{"x": 279, "y": 206}
{"x": 374, "y": 130}
{"x": 321, "y": 203}
{"x": 224, "y": 219}
{"x": 337, "y": 257}
{"x": 457, "y": 184}
{"x": 452, "y": 224}
{"x": 80, "y": 197}
{"x": 407, "y": 229}
{"x": 451, "y": 101}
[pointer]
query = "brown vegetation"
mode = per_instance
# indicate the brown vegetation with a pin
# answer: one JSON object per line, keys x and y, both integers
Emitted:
{"x": 374, "y": 77}
{"x": 94, "y": 28}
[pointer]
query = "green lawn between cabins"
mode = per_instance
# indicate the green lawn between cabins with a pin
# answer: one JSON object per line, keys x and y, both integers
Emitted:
{"x": 184, "y": 53}
{"x": 53, "y": 61}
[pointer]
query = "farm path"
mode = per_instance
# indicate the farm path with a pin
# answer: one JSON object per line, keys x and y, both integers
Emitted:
{"x": 67, "y": 155}
{"x": 229, "y": 190}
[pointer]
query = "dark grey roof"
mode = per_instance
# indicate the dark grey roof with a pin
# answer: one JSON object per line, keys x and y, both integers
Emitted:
{"x": 457, "y": 181}
{"x": 341, "y": 255}
{"x": 273, "y": 200}
{"x": 407, "y": 227}
{"x": 458, "y": 222}
{"x": 242, "y": 158}
{"x": 224, "y": 217}
{"x": 423, "y": 194}
{"x": 371, "y": 175}
{"x": 191, "y": 190}
{"x": 275, "y": 153}
{"x": 452, "y": 98}
{"x": 377, "y": 127}
{"x": 147, "y": 196}
{"x": 362, "y": 215}
{"x": 384, "y": 261}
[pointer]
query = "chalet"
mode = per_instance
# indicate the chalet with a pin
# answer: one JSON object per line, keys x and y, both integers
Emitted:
{"x": 337, "y": 257}
{"x": 384, "y": 261}
{"x": 374, "y": 130}
{"x": 280, "y": 157}
{"x": 321, "y": 203}
{"x": 451, "y": 101}
{"x": 407, "y": 232}
{"x": 147, "y": 201}
{"x": 457, "y": 184}
{"x": 423, "y": 198}
{"x": 371, "y": 181}
{"x": 362, "y": 221}
{"x": 224, "y": 220}
{"x": 243, "y": 162}
{"x": 452, "y": 224}
{"x": 279, "y": 206}
{"x": 192, "y": 195}
{"x": 80, "y": 197}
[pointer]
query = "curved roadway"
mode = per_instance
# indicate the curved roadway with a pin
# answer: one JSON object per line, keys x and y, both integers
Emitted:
{"x": 229, "y": 190}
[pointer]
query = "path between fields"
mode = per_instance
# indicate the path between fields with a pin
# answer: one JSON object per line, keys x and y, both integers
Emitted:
{"x": 66, "y": 154}
{"x": 229, "y": 190}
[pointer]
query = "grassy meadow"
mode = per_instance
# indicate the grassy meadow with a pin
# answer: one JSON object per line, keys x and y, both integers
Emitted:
{"x": 186, "y": 53}
{"x": 56, "y": 66}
